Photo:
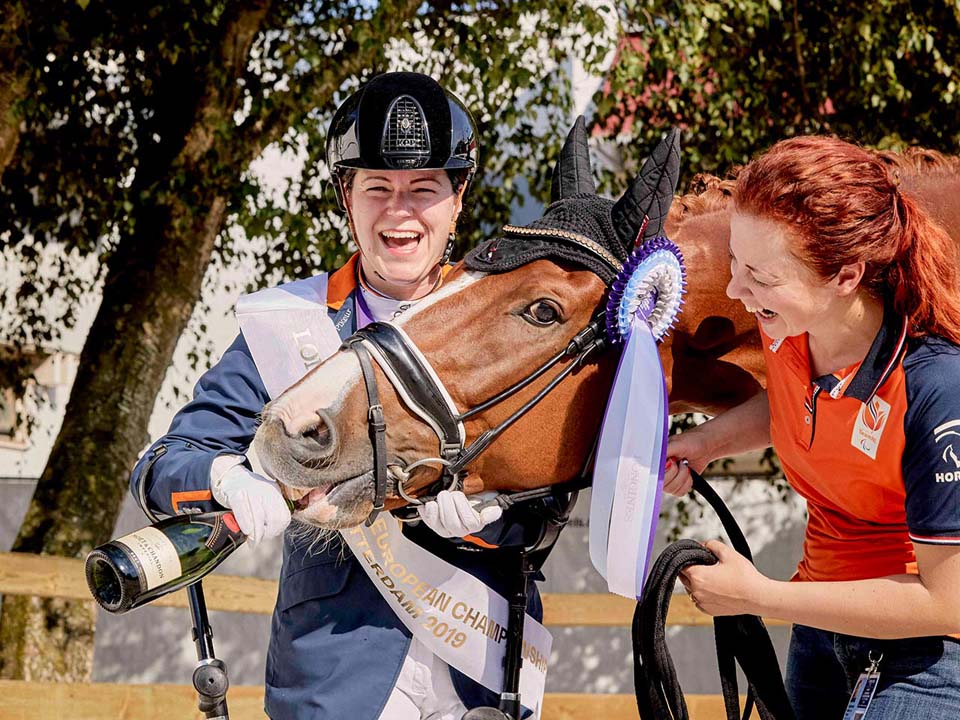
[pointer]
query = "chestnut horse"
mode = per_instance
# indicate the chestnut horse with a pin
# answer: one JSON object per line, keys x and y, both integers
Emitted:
{"x": 485, "y": 331}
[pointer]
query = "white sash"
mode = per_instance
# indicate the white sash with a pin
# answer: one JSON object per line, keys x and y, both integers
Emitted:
{"x": 457, "y": 616}
{"x": 284, "y": 330}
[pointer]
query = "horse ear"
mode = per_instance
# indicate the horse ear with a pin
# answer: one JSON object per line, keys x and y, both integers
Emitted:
{"x": 573, "y": 175}
{"x": 648, "y": 199}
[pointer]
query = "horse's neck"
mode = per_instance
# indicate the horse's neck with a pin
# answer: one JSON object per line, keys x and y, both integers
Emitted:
{"x": 713, "y": 359}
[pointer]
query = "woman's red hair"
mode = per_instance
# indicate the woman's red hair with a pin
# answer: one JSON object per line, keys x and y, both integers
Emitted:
{"x": 843, "y": 204}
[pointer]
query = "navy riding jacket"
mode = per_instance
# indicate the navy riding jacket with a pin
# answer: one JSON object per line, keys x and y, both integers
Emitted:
{"x": 336, "y": 648}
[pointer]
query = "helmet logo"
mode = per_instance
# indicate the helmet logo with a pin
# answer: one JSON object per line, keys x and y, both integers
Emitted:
{"x": 406, "y": 137}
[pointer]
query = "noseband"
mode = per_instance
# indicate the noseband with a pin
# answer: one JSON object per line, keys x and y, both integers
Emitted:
{"x": 423, "y": 392}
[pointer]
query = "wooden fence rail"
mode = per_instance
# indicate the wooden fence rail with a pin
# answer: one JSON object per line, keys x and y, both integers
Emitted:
{"x": 107, "y": 701}
{"x": 54, "y": 577}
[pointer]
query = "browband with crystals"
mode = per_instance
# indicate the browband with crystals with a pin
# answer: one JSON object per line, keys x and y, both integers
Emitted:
{"x": 567, "y": 236}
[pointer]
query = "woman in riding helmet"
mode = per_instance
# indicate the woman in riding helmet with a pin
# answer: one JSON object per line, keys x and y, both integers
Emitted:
{"x": 401, "y": 151}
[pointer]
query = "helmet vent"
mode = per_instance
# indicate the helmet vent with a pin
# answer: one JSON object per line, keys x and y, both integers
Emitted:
{"x": 406, "y": 136}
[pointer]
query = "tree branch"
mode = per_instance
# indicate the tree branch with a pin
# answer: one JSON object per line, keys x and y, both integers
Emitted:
{"x": 268, "y": 121}
{"x": 798, "y": 51}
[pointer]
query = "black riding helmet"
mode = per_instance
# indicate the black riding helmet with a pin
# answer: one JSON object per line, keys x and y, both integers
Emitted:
{"x": 401, "y": 121}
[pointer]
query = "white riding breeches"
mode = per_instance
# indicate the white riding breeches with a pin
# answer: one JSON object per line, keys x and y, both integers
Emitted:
{"x": 424, "y": 690}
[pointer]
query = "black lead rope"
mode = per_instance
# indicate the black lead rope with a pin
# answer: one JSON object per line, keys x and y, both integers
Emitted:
{"x": 740, "y": 639}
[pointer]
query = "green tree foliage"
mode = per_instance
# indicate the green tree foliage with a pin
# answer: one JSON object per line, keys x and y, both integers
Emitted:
{"x": 115, "y": 86}
{"x": 742, "y": 74}
{"x": 133, "y": 127}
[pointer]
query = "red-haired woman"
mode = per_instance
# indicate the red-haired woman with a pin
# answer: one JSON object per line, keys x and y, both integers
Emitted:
{"x": 857, "y": 296}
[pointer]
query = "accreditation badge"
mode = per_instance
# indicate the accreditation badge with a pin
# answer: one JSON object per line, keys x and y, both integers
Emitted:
{"x": 864, "y": 690}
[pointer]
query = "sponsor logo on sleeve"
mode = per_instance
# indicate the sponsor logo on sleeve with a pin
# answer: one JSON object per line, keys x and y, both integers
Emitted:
{"x": 867, "y": 430}
{"x": 947, "y": 437}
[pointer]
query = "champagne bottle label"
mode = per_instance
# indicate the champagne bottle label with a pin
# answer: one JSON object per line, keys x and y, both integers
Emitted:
{"x": 155, "y": 555}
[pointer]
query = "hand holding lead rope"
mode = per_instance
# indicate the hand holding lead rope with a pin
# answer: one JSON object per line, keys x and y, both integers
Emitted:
{"x": 741, "y": 639}
{"x": 727, "y": 587}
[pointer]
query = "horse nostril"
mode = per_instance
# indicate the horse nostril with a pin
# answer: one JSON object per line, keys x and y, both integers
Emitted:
{"x": 314, "y": 443}
{"x": 320, "y": 434}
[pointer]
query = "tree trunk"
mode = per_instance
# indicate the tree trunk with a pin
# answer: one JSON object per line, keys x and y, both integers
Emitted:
{"x": 13, "y": 79}
{"x": 153, "y": 282}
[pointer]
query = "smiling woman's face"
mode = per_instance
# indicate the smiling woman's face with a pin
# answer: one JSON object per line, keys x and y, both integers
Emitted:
{"x": 785, "y": 296}
{"x": 402, "y": 219}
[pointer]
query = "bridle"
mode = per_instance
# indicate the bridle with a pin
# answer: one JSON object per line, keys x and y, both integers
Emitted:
{"x": 423, "y": 392}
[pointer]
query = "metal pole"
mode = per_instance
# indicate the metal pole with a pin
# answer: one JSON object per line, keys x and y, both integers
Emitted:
{"x": 210, "y": 676}
{"x": 510, "y": 707}
{"x": 513, "y": 655}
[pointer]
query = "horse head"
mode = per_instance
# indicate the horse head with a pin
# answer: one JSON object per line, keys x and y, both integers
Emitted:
{"x": 492, "y": 380}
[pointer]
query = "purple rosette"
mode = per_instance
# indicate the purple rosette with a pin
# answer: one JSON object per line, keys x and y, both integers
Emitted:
{"x": 651, "y": 284}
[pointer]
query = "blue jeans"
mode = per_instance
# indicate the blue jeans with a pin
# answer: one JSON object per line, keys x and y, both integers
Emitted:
{"x": 919, "y": 677}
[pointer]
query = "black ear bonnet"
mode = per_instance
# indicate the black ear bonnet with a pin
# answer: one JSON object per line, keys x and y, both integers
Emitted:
{"x": 581, "y": 227}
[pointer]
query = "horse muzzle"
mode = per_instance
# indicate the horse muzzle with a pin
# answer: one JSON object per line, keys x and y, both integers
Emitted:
{"x": 333, "y": 507}
{"x": 296, "y": 454}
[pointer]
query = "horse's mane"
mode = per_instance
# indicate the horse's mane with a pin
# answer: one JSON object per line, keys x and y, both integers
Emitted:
{"x": 920, "y": 161}
{"x": 709, "y": 193}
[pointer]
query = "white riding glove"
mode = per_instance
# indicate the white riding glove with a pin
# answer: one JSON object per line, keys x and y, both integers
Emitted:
{"x": 259, "y": 507}
{"x": 453, "y": 514}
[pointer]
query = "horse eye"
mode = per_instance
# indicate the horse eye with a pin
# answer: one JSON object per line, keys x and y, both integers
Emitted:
{"x": 541, "y": 313}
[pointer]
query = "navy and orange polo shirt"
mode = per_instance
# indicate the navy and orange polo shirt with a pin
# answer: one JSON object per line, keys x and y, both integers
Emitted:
{"x": 874, "y": 449}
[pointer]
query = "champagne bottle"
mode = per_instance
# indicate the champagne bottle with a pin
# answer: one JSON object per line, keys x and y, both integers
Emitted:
{"x": 134, "y": 569}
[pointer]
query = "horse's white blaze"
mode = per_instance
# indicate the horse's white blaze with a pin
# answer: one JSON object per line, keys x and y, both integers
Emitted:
{"x": 324, "y": 389}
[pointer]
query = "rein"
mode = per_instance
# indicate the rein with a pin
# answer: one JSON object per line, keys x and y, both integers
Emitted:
{"x": 740, "y": 639}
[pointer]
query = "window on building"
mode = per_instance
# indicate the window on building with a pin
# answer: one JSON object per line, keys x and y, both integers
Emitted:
{"x": 12, "y": 432}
